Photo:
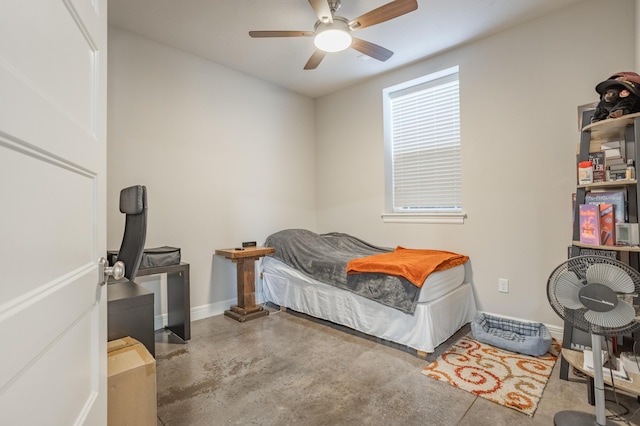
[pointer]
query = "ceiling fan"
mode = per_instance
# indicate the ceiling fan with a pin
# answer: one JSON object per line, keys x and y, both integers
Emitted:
{"x": 332, "y": 33}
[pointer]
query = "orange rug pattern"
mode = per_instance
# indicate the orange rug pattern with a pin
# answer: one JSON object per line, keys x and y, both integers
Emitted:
{"x": 506, "y": 378}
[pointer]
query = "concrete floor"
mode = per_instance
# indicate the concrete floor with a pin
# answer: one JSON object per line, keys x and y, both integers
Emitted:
{"x": 288, "y": 369}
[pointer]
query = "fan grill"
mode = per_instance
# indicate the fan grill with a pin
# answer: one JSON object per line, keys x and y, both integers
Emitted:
{"x": 568, "y": 278}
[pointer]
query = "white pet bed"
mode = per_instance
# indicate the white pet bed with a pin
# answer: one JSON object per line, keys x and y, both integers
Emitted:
{"x": 435, "y": 319}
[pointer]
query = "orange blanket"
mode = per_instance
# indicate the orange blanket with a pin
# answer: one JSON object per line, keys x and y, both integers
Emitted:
{"x": 414, "y": 265}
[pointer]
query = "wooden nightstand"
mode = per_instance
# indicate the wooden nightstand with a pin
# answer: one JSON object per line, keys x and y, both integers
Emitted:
{"x": 245, "y": 259}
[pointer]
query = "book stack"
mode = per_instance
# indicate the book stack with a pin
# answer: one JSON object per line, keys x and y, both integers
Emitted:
{"x": 599, "y": 215}
{"x": 614, "y": 159}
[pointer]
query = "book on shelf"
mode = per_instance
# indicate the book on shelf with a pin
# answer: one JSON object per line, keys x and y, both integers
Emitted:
{"x": 607, "y": 225}
{"x": 613, "y": 148}
{"x": 611, "y": 160}
{"x": 611, "y": 145}
{"x": 590, "y": 224}
{"x": 622, "y": 167}
{"x": 615, "y": 197}
{"x": 597, "y": 160}
{"x": 617, "y": 172}
{"x": 613, "y": 154}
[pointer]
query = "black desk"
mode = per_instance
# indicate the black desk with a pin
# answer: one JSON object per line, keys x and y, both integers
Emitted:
{"x": 178, "y": 297}
{"x": 130, "y": 313}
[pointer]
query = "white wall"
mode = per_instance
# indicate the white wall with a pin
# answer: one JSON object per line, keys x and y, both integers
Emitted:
{"x": 225, "y": 157}
{"x": 519, "y": 93}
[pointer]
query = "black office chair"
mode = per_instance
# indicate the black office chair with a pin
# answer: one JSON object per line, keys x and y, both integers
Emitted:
{"x": 133, "y": 203}
{"x": 130, "y": 307}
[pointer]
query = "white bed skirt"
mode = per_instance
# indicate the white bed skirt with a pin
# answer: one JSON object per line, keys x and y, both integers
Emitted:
{"x": 432, "y": 324}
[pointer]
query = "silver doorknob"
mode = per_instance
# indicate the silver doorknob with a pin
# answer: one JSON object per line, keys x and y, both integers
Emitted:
{"x": 105, "y": 271}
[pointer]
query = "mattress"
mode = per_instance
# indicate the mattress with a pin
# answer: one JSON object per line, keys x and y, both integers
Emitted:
{"x": 435, "y": 286}
{"x": 328, "y": 258}
{"x": 448, "y": 304}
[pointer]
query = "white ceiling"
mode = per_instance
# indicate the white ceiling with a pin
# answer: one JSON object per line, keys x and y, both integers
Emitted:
{"x": 218, "y": 30}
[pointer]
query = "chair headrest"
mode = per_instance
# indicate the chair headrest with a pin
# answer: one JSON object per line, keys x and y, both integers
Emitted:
{"x": 133, "y": 200}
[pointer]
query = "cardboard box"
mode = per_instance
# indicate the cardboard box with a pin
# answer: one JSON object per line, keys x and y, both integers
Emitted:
{"x": 131, "y": 379}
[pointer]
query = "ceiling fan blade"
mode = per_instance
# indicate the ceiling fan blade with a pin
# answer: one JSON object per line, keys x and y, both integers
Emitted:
{"x": 370, "y": 49}
{"x": 383, "y": 13}
{"x": 314, "y": 60}
{"x": 322, "y": 9}
{"x": 259, "y": 34}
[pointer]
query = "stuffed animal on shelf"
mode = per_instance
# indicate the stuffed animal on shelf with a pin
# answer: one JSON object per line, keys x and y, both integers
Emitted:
{"x": 619, "y": 95}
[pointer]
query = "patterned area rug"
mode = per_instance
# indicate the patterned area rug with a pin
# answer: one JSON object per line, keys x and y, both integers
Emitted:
{"x": 507, "y": 378}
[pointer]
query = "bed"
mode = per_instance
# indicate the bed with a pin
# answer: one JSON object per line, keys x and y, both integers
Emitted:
{"x": 308, "y": 274}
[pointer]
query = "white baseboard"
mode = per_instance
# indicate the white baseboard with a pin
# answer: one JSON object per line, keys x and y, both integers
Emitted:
{"x": 203, "y": 311}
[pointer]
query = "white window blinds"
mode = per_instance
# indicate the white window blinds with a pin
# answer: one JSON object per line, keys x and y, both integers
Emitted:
{"x": 425, "y": 146}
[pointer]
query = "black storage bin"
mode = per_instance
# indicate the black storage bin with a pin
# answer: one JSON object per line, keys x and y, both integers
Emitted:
{"x": 153, "y": 257}
{"x": 160, "y": 256}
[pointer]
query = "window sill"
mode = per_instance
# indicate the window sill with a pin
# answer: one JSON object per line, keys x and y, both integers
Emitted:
{"x": 452, "y": 218}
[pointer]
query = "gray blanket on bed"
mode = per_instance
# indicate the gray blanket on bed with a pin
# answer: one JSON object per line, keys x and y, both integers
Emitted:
{"x": 325, "y": 257}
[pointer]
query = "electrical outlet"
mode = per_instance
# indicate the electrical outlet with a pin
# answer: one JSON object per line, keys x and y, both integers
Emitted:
{"x": 503, "y": 285}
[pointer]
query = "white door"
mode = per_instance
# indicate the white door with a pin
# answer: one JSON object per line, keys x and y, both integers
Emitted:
{"x": 53, "y": 69}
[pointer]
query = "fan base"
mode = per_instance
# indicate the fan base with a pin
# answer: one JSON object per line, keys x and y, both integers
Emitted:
{"x": 577, "y": 418}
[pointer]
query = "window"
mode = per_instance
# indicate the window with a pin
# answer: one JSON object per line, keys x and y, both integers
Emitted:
{"x": 423, "y": 171}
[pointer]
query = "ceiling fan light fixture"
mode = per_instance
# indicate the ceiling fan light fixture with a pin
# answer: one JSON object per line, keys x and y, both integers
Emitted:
{"x": 333, "y": 33}
{"x": 333, "y": 37}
